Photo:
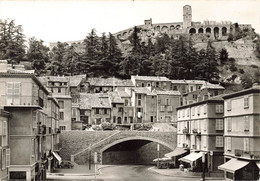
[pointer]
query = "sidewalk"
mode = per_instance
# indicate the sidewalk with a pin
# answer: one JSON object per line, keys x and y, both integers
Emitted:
{"x": 184, "y": 174}
{"x": 77, "y": 170}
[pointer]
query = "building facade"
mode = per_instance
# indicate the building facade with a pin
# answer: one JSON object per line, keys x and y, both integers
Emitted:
{"x": 200, "y": 128}
{"x": 242, "y": 135}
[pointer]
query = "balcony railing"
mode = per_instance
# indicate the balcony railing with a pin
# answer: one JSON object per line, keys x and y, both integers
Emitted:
{"x": 12, "y": 100}
{"x": 185, "y": 131}
{"x": 255, "y": 155}
{"x": 196, "y": 132}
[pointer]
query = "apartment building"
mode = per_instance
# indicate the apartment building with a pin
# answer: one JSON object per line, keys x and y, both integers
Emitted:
{"x": 167, "y": 102}
{"x": 242, "y": 135}
{"x": 128, "y": 108}
{"x": 24, "y": 97}
{"x": 60, "y": 89}
{"x": 184, "y": 86}
{"x": 4, "y": 145}
{"x": 159, "y": 83}
{"x": 103, "y": 85}
{"x": 200, "y": 128}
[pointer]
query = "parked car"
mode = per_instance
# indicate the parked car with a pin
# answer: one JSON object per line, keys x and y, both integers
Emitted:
{"x": 66, "y": 164}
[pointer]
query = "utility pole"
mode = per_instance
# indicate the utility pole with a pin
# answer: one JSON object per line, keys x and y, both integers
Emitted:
{"x": 89, "y": 157}
{"x": 158, "y": 155}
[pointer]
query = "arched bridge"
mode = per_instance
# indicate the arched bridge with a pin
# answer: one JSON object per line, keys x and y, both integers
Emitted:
{"x": 116, "y": 147}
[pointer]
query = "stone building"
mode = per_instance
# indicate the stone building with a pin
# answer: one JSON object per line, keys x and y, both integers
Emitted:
{"x": 198, "y": 31}
{"x": 200, "y": 129}
{"x": 159, "y": 83}
{"x": 242, "y": 135}
{"x": 60, "y": 89}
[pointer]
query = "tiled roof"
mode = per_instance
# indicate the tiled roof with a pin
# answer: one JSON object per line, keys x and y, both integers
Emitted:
{"x": 254, "y": 89}
{"x": 88, "y": 101}
{"x": 123, "y": 94}
{"x": 54, "y": 78}
{"x": 115, "y": 97}
{"x": 211, "y": 86}
{"x": 76, "y": 80}
{"x": 16, "y": 71}
{"x": 167, "y": 92}
{"x": 110, "y": 82}
{"x": 150, "y": 78}
{"x": 188, "y": 81}
{"x": 143, "y": 90}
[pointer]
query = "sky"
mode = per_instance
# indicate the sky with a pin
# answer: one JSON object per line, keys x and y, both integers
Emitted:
{"x": 71, "y": 20}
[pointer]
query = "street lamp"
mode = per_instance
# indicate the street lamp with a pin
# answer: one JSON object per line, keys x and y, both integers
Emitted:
{"x": 203, "y": 166}
{"x": 89, "y": 157}
{"x": 158, "y": 155}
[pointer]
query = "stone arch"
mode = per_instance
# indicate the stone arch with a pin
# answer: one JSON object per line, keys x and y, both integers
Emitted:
{"x": 171, "y": 27}
{"x": 125, "y": 33}
{"x": 192, "y": 31}
{"x": 208, "y": 30}
{"x": 224, "y": 31}
{"x": 158, "y": 28}
{"x": 216, "y": 32}
{"x": 136, "y": 138}
{"x": 178, "y": 27}
{"x": 200, "y": 30}
{"x": 164, "y": 28}
{"x": 118, "y": 36}
{"x": 130, "y": 31}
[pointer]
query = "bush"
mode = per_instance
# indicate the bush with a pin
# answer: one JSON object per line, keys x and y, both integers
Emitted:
{"x": 254, "y": 66}
{"x": 233, "y": 68}
{"x": 241, "y": 71}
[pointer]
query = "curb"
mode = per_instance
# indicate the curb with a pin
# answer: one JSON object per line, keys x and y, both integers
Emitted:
{"x": 184, "y": 176}
{"x": 79, "y": 174}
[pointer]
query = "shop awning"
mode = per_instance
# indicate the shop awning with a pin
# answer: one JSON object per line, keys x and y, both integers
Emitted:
{"x": 191, "y": 157}
{"x": 258, "y": 164}
{"x": 233, "y": 165}
{"x": 57, "y": 156}
{"x": 162, "y": 159}
{"x": 176, "y": 152}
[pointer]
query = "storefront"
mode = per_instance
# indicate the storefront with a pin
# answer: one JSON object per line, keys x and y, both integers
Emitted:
{"x": 177, "y": 153}
{"x": 193, "y": 161}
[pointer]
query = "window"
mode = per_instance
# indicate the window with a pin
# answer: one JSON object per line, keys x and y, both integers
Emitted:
{"x": 183, "y": 113}
{"x": 120, "y": 109}
{"x": 148, "y": 85}
{"x": 139, "y": 96}
{"x": 205, "y": 108}
{"x": 162, "y": 108}
{"x": 246, "y": 102}
{"x": 188, "y": 112}
{"x": 4, "y": 134}
{"x": 62, "y": 115}
{"x": 198, "y": 110}
{"x": 246, "y": 145}
{"x": 142, "y": 84}
{"x": 167, "y": 102}
{"x": 13, "y": 93}
{"x": 126, "y": 102}
{"x": 219, "y": 108}
{"x": 157, "y": 84}
{"x": 139, "y": 109}
{"x": 219, "y": 124}
{"x": 139, "y": 103}
{"x": 62, "y": 127}
{"x": 193, "y": 111}
{"x": 35, "y": 118}
{"x": 229, "y": 124}
{"x": 246, "y": 123}
{"x": 229, "y": 105}
{"x": 219, "y": 141}
{"x": 97, "y": 110}
{"x": 105, "y": 111}
{"x": 61, "y": 104}
{"x": 59, "y": 90}
{"x": 175, "y": 87}
{"x": 169, "y": 108}
{"x": 73, "y": 112}
{"x": 3, "y": 159}
{"x": 228, "y": 143}
{"x": 179, "y": 114}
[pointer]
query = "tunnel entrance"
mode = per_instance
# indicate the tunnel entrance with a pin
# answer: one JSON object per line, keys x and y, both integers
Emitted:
{"x": 134, "y": 152}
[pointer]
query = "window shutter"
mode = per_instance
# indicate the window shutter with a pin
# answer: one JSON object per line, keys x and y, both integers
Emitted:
{"x": 8, "y": 157}
{"x": 5, "y": 128}
{"x": 246, "y": 145}
{"x": 246, "y": 123}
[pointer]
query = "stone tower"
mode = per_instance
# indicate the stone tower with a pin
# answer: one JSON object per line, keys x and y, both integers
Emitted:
{"x": 187, "y": 17}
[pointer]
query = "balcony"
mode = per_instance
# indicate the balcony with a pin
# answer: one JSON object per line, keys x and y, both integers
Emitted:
{"x": 21, "y": 101}
{"x": 253, "y": 155}
{"x": 42, "y": 129}
{"x": 185, "y": 131}
{"x": 57, "y": 147}
{"x": 196, "y": 132}
{"x": 185, "y": 145}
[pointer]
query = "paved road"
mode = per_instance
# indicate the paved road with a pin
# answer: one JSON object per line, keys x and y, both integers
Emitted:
{"x": 126, "y": 173}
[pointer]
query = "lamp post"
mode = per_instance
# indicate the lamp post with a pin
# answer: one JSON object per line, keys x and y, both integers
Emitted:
{"x": 89, "y": 157}
{"x": 203, "y": 166}
{"x": 95, "y": 162}
{"x": 158, "y": 155}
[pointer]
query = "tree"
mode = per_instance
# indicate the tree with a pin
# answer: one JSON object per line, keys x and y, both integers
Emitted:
{"x": 223, "y": 55}
{"x": 38, "y": 55}
{"x": 12, "y": 42}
